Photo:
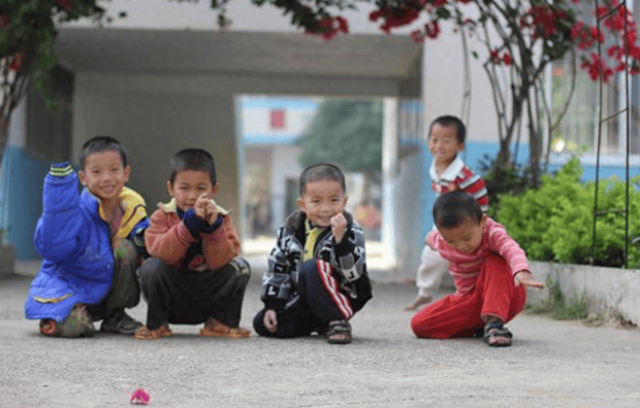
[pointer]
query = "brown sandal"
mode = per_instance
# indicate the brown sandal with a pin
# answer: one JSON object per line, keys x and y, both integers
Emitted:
{"x": 214, "y": 328}
{"x": 144, "y": 333}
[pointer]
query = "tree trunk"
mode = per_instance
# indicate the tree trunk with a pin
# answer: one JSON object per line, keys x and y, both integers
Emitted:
{"x": 4, "y": 135}
{"x": 503, "y": 158}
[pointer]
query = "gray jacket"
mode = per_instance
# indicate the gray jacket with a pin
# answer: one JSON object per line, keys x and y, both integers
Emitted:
{"x": 285, "y": 259}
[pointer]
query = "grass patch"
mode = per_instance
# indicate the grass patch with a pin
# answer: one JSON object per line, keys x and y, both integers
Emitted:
{"x": 560, "y": 308}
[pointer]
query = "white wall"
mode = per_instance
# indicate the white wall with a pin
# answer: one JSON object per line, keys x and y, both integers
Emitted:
{"x": 155, "y": 115}
{"x": 198, "y": 15}
{"x": 284, "y": 165}
{"x": 153, "y": 126}
{"x": 443, "y": 85}
{"x": 257, "y": 119}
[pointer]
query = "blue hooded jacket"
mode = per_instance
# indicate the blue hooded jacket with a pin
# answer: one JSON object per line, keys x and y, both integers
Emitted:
{"x": 75, "y": 244}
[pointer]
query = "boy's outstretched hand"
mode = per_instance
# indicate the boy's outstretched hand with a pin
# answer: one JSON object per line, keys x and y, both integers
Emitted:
{"x": 270, "y": 320}
{"x": 338, "y": 227}
{"x": 525, "y": 278}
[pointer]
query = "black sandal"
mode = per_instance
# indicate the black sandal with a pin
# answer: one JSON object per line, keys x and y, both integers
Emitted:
{"x": 496, "y": 330}
{"x": 339, "y": 332}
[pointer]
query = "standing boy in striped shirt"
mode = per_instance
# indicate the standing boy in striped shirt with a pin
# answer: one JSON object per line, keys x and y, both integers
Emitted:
{"x": 490, "y": 272}
{"x": 448, "y": 173}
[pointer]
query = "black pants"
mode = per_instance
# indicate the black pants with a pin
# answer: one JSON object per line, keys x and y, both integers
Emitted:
{"x": 191, "y": 297}
{"x": 318, "y": 300}
{"x": 125, "y": 289}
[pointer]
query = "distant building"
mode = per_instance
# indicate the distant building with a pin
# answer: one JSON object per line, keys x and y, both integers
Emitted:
{"x": 270, "y": 127}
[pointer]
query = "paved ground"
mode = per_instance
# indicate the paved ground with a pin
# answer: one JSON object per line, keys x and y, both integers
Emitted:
{"x": 551, "y": 364}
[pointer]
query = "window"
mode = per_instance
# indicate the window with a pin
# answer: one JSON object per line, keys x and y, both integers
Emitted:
{"x": 578, "y": 130}
{"x": 277, "y": 118}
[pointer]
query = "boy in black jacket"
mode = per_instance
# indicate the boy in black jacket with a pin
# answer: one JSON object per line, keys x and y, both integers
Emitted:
{"x": 317, "y": 277}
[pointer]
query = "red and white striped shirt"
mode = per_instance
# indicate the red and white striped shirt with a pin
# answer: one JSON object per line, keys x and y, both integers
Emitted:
{"x": 457, "y": 176}
{"x": 465, "y": 268}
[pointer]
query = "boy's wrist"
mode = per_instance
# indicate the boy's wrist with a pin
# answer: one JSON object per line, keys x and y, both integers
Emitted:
{"x": 194, "y": 224}
{"x": 211, "y": 228}
{"x": 61, "y": 169}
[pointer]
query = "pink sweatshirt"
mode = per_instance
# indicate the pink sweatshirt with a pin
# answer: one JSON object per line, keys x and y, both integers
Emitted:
{"x": 465, "y": 268}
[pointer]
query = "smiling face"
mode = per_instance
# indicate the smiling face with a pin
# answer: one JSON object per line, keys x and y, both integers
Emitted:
{"x": 322, "y": 199}
{"x": 188, "y": 185}
{"x": 104, "y": 175}
{"x": 443, "y": 144}
{"x": 465, "y": 237}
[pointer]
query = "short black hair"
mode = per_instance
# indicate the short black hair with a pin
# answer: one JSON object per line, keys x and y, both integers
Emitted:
{"x": 450, "y": 120}
{"x": 193, "y": 159}
{"x": 321, "y": 171}
{"x": 101, "y": 144}
{"x": 452, "y": 209}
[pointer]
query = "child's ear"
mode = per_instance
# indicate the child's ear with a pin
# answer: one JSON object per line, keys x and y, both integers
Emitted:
{"x": 300, "y": 203}
{"x": 170, "y": 188}
{"x": 460, "y": 146}
{"x": 127, "y": 173}
{"x": 483, "y": 221}
{"x": 214, "y": 189}
{"x": 82, "y": 177}
{"x": 344, "y": 201}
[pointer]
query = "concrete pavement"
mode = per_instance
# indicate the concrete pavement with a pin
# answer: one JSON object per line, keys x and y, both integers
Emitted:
{"x": 551, "y": 363}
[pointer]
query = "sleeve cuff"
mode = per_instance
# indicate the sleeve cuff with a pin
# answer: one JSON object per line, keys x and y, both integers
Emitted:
{"x": 61, "y": 169}
{"x": 344, "y": 247}
{"x": 211, "y": 228}
{"x": 194, "y": 224}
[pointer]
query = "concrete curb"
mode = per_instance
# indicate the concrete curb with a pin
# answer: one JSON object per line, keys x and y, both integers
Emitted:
{"x": 603, "y": 287}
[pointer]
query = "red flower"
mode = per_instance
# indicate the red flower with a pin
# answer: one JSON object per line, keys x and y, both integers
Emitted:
{"x": 507, "y": 58}
{"x": 16, "y": 61}
{"x": 432, "y": 29}
{"x": 417, "y": 36}
{"x": 66, "y": 4}
{"x": 343, "y": 24}
{"x": 495, "y": 58}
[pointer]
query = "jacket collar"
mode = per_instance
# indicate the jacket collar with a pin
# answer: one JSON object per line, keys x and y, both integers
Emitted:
{"x": 450, "y": 173}
{"x": 296, "y": 220}
{"x": 172, "y": 207}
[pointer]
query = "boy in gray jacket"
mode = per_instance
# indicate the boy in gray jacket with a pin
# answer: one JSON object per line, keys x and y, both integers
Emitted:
{"x": 317, "y": 277}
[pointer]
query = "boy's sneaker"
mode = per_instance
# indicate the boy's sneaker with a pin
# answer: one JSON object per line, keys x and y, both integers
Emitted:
{"x": 120, "y": 323}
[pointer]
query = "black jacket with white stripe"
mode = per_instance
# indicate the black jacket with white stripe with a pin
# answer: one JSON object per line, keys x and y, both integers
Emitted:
{"x": 347, "y": 258}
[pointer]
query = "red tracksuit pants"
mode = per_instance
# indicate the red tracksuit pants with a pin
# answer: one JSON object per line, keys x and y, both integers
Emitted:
{"x": 460, "y": 316}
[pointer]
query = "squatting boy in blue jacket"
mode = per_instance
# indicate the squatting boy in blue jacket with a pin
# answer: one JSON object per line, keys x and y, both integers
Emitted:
{"x": 91, "y": 245}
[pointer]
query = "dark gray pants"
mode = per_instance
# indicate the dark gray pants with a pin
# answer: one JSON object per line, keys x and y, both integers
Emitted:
{"x": 191, "y": 297}
{"x": 125, "y": 289}
{"x": 124, "y": 293}
{"x": 318, "y": 300}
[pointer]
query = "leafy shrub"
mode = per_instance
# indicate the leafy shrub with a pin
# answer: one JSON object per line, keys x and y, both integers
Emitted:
{"x": 555, "y": 222}
{"x": 513, "y": 180}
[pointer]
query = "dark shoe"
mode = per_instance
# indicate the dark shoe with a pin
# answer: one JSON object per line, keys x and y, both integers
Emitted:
{"x": 496, "y": 335}
{"x": 339, "y": 332}
{"x": 120, "y": 323}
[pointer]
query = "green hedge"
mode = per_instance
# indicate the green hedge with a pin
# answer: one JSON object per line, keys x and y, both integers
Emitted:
{"x": 555, "y": 222}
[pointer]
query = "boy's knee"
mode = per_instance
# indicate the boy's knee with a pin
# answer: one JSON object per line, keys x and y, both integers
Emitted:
{"x": 242, "y": 267}
{"x": 420, "y": 326}
{"x": 127, "y": 251}
{"x": 151, "y": 269}
{"x": 309, "y": 271}
{"x": 258, "y": 324}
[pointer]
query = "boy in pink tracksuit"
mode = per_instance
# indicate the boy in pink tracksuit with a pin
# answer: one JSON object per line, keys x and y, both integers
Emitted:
{"x": 489, "y": 268}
